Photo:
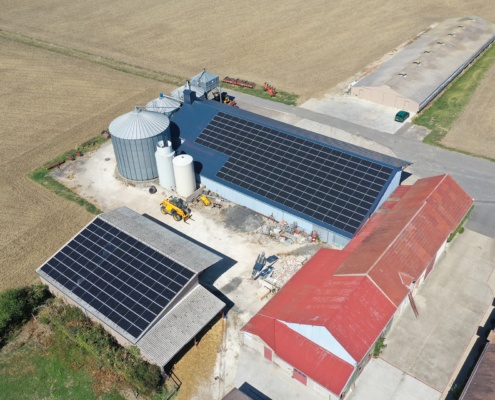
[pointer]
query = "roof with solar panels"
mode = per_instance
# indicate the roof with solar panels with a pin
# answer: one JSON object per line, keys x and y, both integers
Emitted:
{"x": 332, "y": 184}
{"x": 138, "y": 278}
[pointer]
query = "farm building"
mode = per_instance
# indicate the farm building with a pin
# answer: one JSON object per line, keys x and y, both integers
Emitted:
{"x": 321, "y": 327}
{"x": 278, "y": 170}
{"x": 138, "y": 279}
{"x": 415, "y": 75}
{"x": 481, "y": 383}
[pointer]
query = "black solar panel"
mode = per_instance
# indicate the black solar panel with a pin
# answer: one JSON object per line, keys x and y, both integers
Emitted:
{"x": 334, "y": 187}
{"x": 122, "y": 278}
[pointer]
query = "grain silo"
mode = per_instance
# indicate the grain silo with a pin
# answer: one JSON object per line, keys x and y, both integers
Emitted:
{"x": 135, "y": 136}
{"x": 164, "y": 105}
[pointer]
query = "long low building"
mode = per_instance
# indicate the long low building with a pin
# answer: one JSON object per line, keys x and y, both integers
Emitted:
{"x": 321, "y": 327}
{"x": 418, "y": 73}
{"x": 323, "y": 184}
{"x": 138, "y": 279}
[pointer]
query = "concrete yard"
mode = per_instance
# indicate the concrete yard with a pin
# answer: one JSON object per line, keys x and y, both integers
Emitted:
{"x": 227, "y": 231}
{"x": 382, "y": 381}
{"x": 451, "y": 305}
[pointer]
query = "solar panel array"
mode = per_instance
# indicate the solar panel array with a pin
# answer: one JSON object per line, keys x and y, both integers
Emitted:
{"x": 122, "y": 278}
{"x": 318, "y": 181}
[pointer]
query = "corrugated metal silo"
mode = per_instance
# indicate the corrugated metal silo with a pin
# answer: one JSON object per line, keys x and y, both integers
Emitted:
{"x": 164, "y": 105}
{"x": 134, "y": 138}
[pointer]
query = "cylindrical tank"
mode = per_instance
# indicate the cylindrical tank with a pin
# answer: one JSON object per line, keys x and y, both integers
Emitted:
{"x": 164, "y": 105}
{"x": 164, "y": 162}
{"x": 185, "y": 180}
{"x": 134, "y": 137}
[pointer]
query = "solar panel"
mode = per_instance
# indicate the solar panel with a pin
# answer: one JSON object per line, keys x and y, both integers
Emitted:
{"x": 337, "y": 188}
{"x": 120, "y": 277}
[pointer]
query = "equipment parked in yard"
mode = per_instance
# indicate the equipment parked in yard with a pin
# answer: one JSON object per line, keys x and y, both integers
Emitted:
{"x": 239, "y": 82}
{"x": 205, "y": 200}
{"x": 176, "y": 207}
{"x": 225, "y": 98}
{"x": 270, "y": 89}
{"x": 258, "y": 265}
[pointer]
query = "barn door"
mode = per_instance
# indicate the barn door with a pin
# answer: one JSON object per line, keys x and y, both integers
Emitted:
{"x": 299, "y": 376}
{"x": 268, "y": 353}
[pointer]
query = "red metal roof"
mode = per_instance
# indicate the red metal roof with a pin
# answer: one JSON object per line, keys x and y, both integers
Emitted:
{"x": 355, "y": 292}
{"x": 407, "y": 238}
{"x": 352, "y": 309}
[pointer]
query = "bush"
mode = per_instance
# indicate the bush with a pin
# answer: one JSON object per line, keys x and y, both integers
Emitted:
{"x": 17, "y": 306}
{"x": 144, "y": 378}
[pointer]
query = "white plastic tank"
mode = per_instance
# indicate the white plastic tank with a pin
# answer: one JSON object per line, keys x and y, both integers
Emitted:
{"x": 185, "y": 180}
{"x": 164, "y": 162}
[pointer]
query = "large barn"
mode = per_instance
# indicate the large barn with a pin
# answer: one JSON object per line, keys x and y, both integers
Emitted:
{"x": 415, "y": 75}
{"x": 321, "y": 327}
{"x": 278, "y": 170}
{"x": 138, "y": 279}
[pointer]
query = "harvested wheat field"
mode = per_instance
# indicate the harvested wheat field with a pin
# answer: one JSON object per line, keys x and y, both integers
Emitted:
{"x": 301, "y": 47}
{"x": 49, "y": 104}
{"x": 473, "y": 131}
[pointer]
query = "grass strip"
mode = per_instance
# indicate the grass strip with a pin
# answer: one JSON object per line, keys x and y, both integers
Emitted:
{"x": 95, "y": 59}
{"x": 258, "y": 91}
{"x": 281, "y": 97}
{"x": 440, "y": 116}
{"x": 460, "y": 227}
{"x": 42, "y": 175}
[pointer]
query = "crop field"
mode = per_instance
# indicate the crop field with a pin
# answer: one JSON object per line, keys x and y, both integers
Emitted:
{"x": 473, "y": 131}
{"x": 49, "y": 103}
{"x": 301, "y": 47}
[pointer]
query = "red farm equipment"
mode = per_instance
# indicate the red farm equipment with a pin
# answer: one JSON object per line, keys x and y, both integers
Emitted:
{"x": 238, "y": 82}
{"x": 270, "y": 89}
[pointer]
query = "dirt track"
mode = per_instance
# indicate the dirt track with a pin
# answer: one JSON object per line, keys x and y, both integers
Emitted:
{"x": 49, "y": 104}
{"x": 301, "y": 47}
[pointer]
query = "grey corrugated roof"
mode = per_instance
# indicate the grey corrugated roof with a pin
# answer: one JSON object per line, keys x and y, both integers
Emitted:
{"x": 180, "y": 325}
{"x": 426, "y": 63}
{"x": 139, "y": 124}
{"x": 175, "y": 247}
{"x": 163, "y": 105}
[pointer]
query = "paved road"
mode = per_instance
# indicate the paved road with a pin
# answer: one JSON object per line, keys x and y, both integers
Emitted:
{"x": 475, "y": 175}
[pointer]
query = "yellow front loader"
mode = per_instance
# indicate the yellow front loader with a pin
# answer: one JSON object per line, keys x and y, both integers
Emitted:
{"x": 177, "y": 208}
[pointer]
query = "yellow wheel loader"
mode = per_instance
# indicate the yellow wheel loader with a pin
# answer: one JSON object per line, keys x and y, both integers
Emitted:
{"x": 176, "y": 207}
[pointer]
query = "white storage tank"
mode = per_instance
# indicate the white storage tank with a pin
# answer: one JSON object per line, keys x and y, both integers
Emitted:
{"x": 185, "y": 180}
{"x": 164, "y": 162}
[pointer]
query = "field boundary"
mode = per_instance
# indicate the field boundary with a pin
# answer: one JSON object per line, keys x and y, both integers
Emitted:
{"x": 441, "y": 115}
{"x": 42, "y": 176}
{"x": 95, "y": 59}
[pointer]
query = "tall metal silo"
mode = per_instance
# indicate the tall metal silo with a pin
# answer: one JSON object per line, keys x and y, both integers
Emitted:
{"x": 164, "y": 105}
{"x": 134, "y": 137}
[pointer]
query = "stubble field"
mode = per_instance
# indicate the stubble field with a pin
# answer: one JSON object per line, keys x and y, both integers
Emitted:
{"x": 298, "y": 46}
{"x": 49, "y": 104}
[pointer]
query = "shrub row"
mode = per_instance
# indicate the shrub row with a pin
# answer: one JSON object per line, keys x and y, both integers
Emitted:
{"x": 142, "y": 376}
{"x": 17, "y": 306}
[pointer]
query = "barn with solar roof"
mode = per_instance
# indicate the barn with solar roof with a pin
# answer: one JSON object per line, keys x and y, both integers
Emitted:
{"x": 278, "y": 170}
{"x": 138, "y": 279}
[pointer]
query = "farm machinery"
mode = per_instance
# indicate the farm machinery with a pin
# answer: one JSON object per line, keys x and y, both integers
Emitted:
{"x": 176, "y": 207}
{"x": 225, "y": 98}
{"x": 239, "y": 82}
{"x": 270, "y": 89}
